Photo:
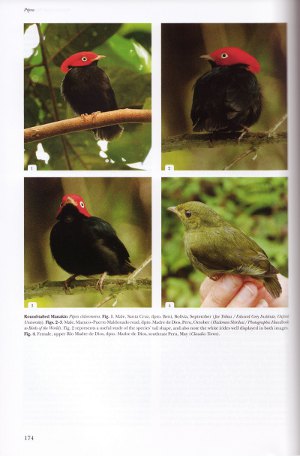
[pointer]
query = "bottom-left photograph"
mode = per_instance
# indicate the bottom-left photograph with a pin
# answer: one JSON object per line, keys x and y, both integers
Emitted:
{"x": 87, "y": 242}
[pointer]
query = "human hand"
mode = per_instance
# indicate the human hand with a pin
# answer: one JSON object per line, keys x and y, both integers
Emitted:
{"x": 240, "y": 291}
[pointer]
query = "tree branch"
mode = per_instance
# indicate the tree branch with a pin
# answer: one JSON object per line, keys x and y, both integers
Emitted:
{"x": 251, "y": 150}
{"x": 201, "y": 140}
{"x": 271, "y": 134}
{"x": 138, "y": 270}
{"x": 112, "y": 284}
{"x": 86, "y": 122}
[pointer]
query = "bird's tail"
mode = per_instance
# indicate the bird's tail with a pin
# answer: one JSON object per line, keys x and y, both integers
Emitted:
{"x": 273, "y": 286}
{"x": 108, "y": 133}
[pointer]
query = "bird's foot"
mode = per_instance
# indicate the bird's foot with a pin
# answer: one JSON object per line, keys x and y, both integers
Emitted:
{"x": 68, "y": 282}
{"x": 84, "y": 116}
{"x": 215, "y": 277}
{"x": 245, "y": 130}
{"x": 94, "y": 115}
{"x": 99, "y": 284}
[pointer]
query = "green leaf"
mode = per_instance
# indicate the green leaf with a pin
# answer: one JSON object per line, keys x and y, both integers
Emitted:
{"x": 126, "y": 53}
{"x": 63, "y": 40}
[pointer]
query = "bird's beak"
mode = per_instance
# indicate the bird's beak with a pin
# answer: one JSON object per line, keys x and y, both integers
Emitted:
{"x": 206, "y": 57}
{"x": 98, "y": 57}
{"x": 70, "y": 200}
{"x": 173, "y": 209}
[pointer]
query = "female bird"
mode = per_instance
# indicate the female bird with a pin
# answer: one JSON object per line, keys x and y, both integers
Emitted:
{"x": 86, "y": 245}
{"x": 228, "y": 97}
{"x": 87, "y": 89}
{"x": 215, "y": 247}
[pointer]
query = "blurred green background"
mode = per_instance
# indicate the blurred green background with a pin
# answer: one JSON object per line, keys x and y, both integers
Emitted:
{"x": 127, "y": 48}
{"x": 257, "y": 206}
{"x": 182, "y": 45}
{"x": 129, "y": 212}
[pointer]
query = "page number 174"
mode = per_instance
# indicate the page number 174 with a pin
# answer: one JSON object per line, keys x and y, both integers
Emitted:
{"x": 29, "y": 437}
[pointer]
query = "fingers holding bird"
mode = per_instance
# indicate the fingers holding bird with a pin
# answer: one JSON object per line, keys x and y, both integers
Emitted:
{"x": 237, "y": 291}
{"x": 234, "y": 291}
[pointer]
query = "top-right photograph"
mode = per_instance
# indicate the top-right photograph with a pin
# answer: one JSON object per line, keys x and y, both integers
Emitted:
{"x": 224, "y": 96}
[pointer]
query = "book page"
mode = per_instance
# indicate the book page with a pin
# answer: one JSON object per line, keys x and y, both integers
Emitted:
{"x": 149, "y": 228}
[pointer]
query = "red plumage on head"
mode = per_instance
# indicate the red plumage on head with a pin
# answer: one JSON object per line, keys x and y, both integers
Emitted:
{"x": 80, "y": 59}
{"x": 227, "y": 56}
{"x": 76, "y": 201}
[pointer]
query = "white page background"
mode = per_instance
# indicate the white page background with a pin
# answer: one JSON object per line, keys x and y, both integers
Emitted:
{"x": 233, "y": 395}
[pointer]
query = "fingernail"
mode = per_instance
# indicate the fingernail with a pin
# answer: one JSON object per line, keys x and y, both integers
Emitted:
{"x": 248, "y": 291}
{"x": 262, "y": 303}
{"x": 230, "y": 281}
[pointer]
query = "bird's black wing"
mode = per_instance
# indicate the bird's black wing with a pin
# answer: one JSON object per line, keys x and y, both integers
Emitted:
{"x": 208, "y": 93}
{"x": 226, "y": 98}
{"x": 242, "y": 98}
{"x": 210, "y": 104}
{"x": 103, "y": 91}
{"x": 88, "y": 90}
{"x": 103, "y": 231}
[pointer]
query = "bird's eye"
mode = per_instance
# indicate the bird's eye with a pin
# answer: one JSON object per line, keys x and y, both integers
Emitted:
{"x": 81, "y": 203}
{"x": 84, "y": 59}
{"x": 188, "y": 214}
{"x": 224, "y": 55}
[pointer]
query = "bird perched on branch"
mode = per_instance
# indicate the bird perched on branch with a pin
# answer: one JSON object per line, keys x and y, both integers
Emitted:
{"x": 87, "y": 88}
{"x": 216, "y": 247}
{"x": 228, "y": 97}
{"x": 85, "y": 245}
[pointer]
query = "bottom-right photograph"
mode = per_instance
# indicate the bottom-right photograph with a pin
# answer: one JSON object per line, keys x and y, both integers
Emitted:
{"x": 224, "y": 242}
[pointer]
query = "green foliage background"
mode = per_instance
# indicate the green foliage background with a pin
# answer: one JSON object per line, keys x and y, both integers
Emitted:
{"x": 127, "y": 48}
{"x": 182, "y": 45}
{"x": 258, "y": 206}
{"x": 129, "y": 212}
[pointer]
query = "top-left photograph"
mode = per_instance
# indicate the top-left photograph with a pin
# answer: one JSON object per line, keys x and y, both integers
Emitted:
{"x": 87, "y": 96}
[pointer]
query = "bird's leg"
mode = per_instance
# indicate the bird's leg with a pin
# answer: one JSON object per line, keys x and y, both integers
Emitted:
{"x": 84, "y": 116}
{"x": 215, "y": 277}
{"x": 99, "y": 284}
{"x": 245, "y": 130}
{"x": 94, "y": 114}
{"x": 68, "y": 282}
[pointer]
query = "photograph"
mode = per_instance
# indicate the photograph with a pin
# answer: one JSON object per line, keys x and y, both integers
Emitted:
{"x": 87, "y": 242}
{"x": 224, "y": 96}
{"x": 81, "y": 76}
{"x": 224, "y": 242}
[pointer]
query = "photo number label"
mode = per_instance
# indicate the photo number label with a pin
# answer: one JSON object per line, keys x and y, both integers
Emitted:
{"x": 169, "y": 168}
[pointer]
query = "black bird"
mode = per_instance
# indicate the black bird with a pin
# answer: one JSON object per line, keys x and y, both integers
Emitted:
{"x": 87, "y": 89}
{"x": 86, "y": 245}
{"x": 228, "y": 97}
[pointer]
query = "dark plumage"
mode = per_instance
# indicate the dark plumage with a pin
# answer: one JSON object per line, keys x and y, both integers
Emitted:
{"x": 86, "y": 245}
{"x": 228, "y": 97}
{"x": 87, "y": 89}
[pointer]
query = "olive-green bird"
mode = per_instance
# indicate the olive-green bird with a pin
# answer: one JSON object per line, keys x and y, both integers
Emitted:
{"x": 215, "y": 247}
